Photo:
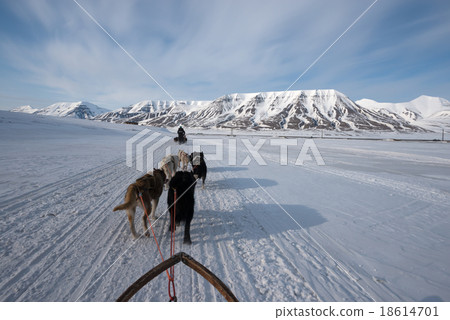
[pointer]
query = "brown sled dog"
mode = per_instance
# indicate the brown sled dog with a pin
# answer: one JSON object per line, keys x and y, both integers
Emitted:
{"x": 151, "y": 187}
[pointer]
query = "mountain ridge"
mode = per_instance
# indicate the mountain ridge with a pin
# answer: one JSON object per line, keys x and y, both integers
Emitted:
{"x": 80, "y": 110}
{"x": 299, "y": 109}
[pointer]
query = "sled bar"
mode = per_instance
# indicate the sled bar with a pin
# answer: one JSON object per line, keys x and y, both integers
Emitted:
{"x": 191, "y": 263}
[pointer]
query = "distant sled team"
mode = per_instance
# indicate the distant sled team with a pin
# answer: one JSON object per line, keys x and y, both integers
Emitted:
{"x": 147, "y": 190}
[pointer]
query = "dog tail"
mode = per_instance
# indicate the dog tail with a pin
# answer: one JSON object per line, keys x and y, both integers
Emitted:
{"x": 131, "y": 192}
{"x": 123, "y": 206}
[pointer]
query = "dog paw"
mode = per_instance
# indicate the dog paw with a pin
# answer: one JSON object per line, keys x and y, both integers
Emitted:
{"x": 187, "y": 241}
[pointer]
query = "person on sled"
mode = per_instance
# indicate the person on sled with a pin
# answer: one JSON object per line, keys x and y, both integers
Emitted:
{"x": 181, "y": 135}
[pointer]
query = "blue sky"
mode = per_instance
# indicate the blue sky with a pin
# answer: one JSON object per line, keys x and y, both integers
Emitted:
{"x": 200, "y": 50}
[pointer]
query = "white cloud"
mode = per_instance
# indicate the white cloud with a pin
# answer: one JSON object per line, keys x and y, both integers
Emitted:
{"x": 204, "y": 49}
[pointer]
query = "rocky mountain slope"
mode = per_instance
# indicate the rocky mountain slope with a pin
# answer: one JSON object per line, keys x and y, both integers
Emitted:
{"x": 303, "y": 109}
{"x": 298, "y": 110}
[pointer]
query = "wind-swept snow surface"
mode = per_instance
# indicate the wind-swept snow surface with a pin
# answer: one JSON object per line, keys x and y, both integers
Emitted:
{"x": 372, "y": 224}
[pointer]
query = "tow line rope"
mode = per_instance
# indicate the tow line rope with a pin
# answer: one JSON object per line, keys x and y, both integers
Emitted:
{"x": 171, "y": 273}
{"x": 172, "y": 249}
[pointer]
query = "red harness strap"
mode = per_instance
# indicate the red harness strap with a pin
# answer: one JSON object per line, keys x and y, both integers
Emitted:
{"x": 171, "y": 274}
{"x": 172, "y": 249}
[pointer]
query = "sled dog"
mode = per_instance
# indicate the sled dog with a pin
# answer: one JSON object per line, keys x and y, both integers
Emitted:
{"x": 170, "y": 165}
{"x": 199, "y": 166}
{"x": 150, "y": 186}
{"x": 183, "y": 160}
{"x": 183, "y": 184}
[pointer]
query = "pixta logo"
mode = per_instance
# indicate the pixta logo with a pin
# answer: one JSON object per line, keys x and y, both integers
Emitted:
{"x": 143, "y": 146}
{"x": 232, "y": 150}
{"x": 145, "y": 149}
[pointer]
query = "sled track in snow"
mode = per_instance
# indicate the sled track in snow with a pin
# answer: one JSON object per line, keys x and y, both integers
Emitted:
{"x": 291, "y": 251}
{"x": 11, "y": 203}
{"x": 32, "y": 206}
{"x": 66, "y": 230}
{"x": 294, "y": 246}
{"x": 235, "y": 231}
{"x": 413, "y": 191}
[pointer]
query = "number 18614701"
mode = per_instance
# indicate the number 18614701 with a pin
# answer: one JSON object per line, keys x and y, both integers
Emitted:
{"x": 409, "y": 311}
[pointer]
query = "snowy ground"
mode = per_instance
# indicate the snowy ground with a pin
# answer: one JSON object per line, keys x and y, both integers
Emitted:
{"x": 372, "y": 224}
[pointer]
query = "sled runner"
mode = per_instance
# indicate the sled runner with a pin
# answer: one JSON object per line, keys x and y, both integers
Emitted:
{"x": 163, "y": 266}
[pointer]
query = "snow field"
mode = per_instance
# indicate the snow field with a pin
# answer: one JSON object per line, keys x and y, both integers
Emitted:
{"x": 372, "y": 224}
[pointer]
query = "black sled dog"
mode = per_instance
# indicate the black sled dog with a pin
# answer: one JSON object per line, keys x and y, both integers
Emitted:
{"x": 199, "y": 166}
{"x": 180, "y": 200}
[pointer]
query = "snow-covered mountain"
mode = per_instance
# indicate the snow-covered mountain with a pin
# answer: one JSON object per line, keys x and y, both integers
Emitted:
{"x": 25, "y": 109}
{"x": 80, "y": 110}
{"x": 302, "y": 109}
{"x": 421, "y": 108}
{"x": 149, "y": 110}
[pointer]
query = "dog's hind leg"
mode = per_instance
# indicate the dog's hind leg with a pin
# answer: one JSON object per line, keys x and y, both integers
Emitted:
{"x": 187, "y": 233}
{"x": 168, "y": 177}
{"x": 187, "y": 229}
{"x": 144, "y": 219}
{"x": 130, "y": 213}
{"x": 171, "y": 224}
{"x": 154, "y": 205}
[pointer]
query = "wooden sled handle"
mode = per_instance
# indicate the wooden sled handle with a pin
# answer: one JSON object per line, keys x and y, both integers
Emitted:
{"x": 191, "y": 263}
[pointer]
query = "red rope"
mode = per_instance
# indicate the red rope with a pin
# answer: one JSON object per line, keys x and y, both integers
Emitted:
{"x": 172, "y": 249}
{"x": 159, "y": 249}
